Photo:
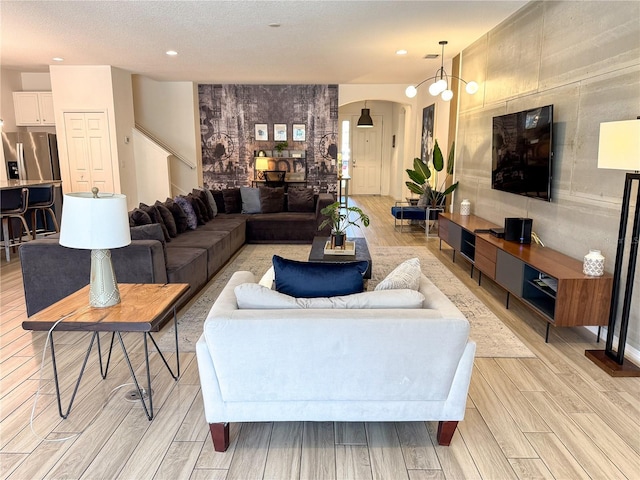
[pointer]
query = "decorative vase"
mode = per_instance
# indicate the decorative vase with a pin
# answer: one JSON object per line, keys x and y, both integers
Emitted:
{"x": 465, "y": 207}
{"x": 593, "y": 264}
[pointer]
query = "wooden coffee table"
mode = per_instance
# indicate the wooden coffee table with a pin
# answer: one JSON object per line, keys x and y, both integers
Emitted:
{"x": 142, "y": 308}
{"x": 362, "y": 253}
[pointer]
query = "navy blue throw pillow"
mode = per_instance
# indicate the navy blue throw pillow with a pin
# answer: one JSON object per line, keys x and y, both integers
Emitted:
{"x": 316, "y": 279}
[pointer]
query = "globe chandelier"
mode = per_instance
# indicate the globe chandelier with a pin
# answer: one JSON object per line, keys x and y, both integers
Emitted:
{"x": 441, "y": 82}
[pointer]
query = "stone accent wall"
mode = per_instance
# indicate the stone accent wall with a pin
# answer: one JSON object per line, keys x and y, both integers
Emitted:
{"x": 584, "y": 58}
{"x": 228, "y": 114}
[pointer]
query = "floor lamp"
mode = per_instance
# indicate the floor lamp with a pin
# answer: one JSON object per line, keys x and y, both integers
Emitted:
{"x": 619, "y": 148}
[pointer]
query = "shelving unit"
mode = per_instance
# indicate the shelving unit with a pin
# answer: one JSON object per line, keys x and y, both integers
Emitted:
{"x": 530, "y": 272}
{"x": 294, "y": 162}
{"x": 468, "y": 245}
{"x": 538, "y": 294}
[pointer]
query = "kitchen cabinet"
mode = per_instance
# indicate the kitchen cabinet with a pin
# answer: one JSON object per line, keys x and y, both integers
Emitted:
{"x": 33, "y": 108}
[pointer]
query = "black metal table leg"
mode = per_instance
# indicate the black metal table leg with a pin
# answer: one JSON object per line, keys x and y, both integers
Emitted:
{"x": 55, "y": 374}
{"x": 149, "y": 410}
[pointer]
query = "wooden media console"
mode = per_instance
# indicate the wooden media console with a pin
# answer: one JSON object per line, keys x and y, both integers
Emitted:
{"x": 549, "y": 282}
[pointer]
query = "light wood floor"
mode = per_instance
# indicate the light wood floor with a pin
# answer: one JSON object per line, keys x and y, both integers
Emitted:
{"x": 554, "y": 416}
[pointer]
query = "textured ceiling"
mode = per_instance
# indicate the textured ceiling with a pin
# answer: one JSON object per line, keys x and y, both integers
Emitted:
{"x": 230, "y": 41}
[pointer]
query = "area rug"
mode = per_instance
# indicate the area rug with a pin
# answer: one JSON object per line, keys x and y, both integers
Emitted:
{"x": 493, "y": 338}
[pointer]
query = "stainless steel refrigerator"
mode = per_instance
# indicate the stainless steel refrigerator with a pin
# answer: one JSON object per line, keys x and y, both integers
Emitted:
{"x": 31, "y": 155}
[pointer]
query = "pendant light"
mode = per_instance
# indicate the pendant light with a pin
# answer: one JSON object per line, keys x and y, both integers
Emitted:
{"x": 365, "y": 120}
{"x": 440, "y": 85}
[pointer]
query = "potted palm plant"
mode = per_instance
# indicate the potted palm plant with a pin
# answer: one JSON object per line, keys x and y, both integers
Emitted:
{"x": 433, "y": 196}
{"x": 340, "y": 218}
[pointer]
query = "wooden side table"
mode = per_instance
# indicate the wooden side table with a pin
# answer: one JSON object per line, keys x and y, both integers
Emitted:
{"x": 141, "y": 309}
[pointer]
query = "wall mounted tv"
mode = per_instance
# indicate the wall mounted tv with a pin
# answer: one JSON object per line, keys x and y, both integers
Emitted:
{"x": 522, "y": 153}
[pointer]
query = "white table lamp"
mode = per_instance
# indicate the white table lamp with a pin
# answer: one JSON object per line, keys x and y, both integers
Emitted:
{"x": 97, "y": 222}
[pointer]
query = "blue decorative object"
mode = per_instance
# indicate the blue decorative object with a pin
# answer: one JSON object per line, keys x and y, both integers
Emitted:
{"x": 315, "y": 279}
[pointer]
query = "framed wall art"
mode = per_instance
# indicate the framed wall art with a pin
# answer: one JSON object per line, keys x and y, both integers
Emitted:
{"x": 299, "y": 132}
{"x": 261, "y": 133}
{"x": 428, "y": 115}
{"x": 280, "y": 132}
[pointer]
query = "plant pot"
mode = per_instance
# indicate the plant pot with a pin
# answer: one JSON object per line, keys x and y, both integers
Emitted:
{"x": 338, "y": 240}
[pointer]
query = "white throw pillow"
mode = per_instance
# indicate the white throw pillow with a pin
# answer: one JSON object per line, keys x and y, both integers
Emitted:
{"x": 255, "y": 296}
{"x": 268, "y": 278}
{"x": 405, "y": 275}
{"x": 393, "y": 299}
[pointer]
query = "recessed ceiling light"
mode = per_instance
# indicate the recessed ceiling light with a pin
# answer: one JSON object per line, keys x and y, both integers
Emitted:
{"x": 172, "y": 53}
{"x": 401, "y": 52}
{"x": 58, "y": 59}
{"x": 274, "y": 25}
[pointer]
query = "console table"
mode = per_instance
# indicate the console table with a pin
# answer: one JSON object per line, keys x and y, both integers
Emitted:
{"x": 549, "y": 282}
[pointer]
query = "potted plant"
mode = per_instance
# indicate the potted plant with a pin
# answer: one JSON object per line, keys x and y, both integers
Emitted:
{"x": 280, "y": 146}
{"x": 340, "y": 219}
{"x": 434, "y": 196}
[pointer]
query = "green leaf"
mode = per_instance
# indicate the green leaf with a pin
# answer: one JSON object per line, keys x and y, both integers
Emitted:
{"x": 450, "y": 189}
{"x": 416, "y": 177}
{"x": 450, "y": 160}
{"x": 422, "y": 168}
{"x": 414, "y": 188}
{"x": 438, "y": 159}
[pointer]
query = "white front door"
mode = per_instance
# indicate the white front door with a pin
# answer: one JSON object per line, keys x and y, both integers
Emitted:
{"x": 89, "y": 150}
{"x": 366, "y": 157}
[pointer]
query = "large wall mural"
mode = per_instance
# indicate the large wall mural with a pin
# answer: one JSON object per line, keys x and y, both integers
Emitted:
{"x": 235, "y": 120}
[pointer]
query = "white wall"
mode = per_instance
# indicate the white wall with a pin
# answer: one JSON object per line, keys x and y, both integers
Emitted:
{"x": 36, "y": 81}
{"x": 124, "y": 122}
{"x": 169, "y": 111}
{"x": 152, "y": 167}
{"x": 96, "y": 88}
{"x": 584, "y": 58}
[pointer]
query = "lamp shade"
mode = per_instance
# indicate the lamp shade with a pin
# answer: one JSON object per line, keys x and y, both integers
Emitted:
{"x": 262, "y": 163}
{"x": 89, "y": 222}
{"x": 619, "y": 145}
{"x": 365, "y": 120}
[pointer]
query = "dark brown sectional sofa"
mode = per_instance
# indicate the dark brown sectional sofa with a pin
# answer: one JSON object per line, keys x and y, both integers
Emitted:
{"x": 50, "y": 272}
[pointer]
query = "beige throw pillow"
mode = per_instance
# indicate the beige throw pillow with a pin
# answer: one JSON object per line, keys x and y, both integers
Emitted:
{"x": 405, "y": 275}
{"x": 256, "y": 296}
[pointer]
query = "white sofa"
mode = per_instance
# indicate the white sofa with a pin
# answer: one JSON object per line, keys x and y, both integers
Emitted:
{"x": 334, "y": 364}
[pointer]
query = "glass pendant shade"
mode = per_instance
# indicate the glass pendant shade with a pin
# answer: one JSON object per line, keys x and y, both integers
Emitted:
{"x": 438, "y": 87}
{"x": 471, "y": 88}
{"x": 411, "y": 91}
{"x": 447, "y": 95}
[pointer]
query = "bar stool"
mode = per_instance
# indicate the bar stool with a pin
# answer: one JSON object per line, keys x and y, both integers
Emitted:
{"x": 41, "y": 199}
{"x": 13, "y": 204}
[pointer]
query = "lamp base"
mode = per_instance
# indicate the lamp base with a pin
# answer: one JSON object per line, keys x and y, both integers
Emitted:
{"x": 601, "y": 359}
{"x": 103, "y": 290}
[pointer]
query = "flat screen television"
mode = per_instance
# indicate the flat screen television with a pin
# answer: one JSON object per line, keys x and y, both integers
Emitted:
{"x": 522, "y": 152}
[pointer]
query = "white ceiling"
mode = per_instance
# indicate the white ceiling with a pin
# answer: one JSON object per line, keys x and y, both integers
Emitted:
{"x": 230, "y": 41}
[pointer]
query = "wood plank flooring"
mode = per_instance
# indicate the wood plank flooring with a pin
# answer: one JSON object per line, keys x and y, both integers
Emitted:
{"x": 554, "y": 416}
